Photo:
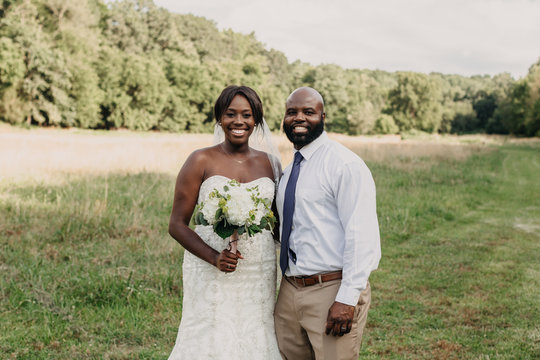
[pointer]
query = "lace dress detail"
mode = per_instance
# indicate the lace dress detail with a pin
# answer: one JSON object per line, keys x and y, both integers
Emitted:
{"x": 229, "y": 315}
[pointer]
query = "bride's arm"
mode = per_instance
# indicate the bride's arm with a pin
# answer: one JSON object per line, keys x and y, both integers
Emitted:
{"x": 186, "y": 193}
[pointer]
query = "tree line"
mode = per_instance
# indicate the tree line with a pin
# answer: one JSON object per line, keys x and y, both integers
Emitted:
{"x": 130, "y": 64}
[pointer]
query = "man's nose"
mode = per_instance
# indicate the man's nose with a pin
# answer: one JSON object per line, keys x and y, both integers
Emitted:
{"x": 300, "y": 116}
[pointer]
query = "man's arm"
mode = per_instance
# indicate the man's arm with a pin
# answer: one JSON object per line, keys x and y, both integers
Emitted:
{"x": 357, "y": 210}
{"x": 356, "y": 204}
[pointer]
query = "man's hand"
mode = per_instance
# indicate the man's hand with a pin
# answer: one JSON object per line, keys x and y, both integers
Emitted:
{"x": 339, "y": 320}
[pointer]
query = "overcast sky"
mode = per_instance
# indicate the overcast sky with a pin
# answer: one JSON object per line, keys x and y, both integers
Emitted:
{"x": 466, "y": 37}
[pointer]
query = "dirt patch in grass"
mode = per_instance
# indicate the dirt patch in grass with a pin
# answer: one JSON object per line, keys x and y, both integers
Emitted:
{"x": 445, "y": 350}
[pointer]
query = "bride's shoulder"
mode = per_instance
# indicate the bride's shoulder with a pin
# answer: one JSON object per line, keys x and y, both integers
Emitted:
{"x": 268, "y": 159}
{"x": 199, "y": 160}
{"x": 262, "y": 155}
{"x": 204, "y": 154}
{"x": 258, "y": 153}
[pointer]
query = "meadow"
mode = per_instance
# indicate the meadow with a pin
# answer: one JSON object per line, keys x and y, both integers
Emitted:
{"x": 88, "y": 270}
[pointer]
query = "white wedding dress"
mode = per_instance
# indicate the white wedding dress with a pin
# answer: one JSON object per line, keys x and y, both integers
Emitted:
{"x": 229, "y": 316}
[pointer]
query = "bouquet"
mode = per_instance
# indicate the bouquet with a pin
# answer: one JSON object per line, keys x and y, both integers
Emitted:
{"x": 235, "y": 210}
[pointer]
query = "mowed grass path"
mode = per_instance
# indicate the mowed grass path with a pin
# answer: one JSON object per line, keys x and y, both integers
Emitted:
{"x": 460, "y": 274}
{"x": 89, "y": 272}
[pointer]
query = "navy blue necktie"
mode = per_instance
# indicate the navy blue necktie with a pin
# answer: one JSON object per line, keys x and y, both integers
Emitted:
{"x": 288, "y": 211}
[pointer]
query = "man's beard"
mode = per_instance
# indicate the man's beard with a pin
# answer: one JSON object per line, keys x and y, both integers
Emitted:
{"x": 304, "y": 139}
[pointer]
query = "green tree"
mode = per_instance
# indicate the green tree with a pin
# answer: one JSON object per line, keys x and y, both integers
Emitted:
{"x": 532, "y": 114}
{"x": 74, "y": 28}
{"x": 136, "y": 90}
{"x": 385, "y": 124}
{"x": 189, "y": 105}
{"x": 59, "y": 84}
{"x": 415, "y": 102}
{"x": 366, "y": 100}
{"x": 11, "y": 63}
{"x": 208, "y": 42}
{"x": 41, "y": 93}
{"x": 464, "y": 118}
{"x": 510, "y": 115}
{"x": 519, "y": 112}
{"x": 12, "y": 71}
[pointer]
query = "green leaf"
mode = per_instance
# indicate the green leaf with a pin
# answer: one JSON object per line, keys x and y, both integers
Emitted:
{"x": 223, "y": 230}
{"x": 219, "y": 212}
{"x": 263, "y": 223}
{"x": 200, "y": 220}
{"x": 253, "y": 229}
{"x": 226, "y": 188}
{"x": 241, "y": 230}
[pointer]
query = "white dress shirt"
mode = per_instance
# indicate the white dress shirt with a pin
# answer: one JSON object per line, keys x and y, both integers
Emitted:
{"x": 334, "y": 225}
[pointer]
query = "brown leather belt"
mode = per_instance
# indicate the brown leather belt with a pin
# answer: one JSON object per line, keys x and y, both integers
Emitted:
{"x": 314, "y": 279}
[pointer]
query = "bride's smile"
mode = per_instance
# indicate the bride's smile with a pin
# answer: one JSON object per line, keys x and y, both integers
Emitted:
{"x": 239, "y": 132}
{"x": 238, "y": 121}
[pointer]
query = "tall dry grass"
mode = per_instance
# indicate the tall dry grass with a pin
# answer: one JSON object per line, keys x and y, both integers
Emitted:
{"x": 50, "y": 153}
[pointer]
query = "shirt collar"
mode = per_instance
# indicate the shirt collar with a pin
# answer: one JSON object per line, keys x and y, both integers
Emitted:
{"x": 308, "y": 150}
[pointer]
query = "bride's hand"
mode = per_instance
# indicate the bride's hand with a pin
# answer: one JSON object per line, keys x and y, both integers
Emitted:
{"x": 226, "y": 261}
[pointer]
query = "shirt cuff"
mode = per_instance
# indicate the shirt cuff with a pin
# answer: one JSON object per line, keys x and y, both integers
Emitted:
{"x": 347, "y": 295}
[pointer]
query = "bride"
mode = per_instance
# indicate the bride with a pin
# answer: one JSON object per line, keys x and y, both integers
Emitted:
{"x": 228, "y": 296}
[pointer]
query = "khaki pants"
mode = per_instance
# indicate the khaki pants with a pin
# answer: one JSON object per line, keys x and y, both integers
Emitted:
{"x": 300, "y": 318}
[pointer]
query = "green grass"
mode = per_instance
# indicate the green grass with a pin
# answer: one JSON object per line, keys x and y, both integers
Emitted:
{"x": 460, "y": 271}
{"x": 88, "y": 270}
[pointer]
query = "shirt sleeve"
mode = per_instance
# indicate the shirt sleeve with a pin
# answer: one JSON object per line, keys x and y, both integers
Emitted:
{"x": 357, "y": 211}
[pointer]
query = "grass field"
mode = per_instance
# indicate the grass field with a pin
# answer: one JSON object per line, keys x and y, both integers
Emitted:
{"x": 88, "y": 270}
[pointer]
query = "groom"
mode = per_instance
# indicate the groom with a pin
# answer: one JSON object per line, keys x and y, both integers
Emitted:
{"x": 329, "y": 239}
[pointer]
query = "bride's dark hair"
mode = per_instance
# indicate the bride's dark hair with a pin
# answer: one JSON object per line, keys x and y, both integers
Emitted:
{"x": 225, "y": 99}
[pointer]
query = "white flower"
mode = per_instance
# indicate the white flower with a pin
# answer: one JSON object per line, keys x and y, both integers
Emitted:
{"x": 259, "y": 212}
{"x": 238, "y": 206}
{"x": 209, "y": 209}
